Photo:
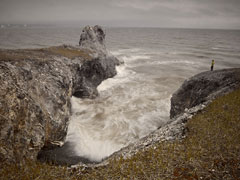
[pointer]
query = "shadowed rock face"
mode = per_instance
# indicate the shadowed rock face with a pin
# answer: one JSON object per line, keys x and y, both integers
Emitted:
{"x": 202, "y": 87}
{"x": 36, "y": 87}
{"x": 61, "y": 155}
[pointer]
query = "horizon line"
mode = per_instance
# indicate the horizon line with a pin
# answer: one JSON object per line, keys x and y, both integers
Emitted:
{"x": 108, "y": 26}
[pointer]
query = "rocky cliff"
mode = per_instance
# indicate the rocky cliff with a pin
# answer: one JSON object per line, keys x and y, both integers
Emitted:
{"x": 36, "y": 87}
{"x": 203, "y": 87}
{"x": 191, "y": 97}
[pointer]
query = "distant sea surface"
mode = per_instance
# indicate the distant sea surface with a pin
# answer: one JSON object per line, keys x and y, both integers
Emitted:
{"x": 137, "y": 100}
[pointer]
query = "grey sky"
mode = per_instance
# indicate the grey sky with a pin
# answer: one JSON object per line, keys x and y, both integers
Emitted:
{"x": 144, "y": 13}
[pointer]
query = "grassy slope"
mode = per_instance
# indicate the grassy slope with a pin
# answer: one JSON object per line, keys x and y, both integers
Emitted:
{"x": 210, "y": 151}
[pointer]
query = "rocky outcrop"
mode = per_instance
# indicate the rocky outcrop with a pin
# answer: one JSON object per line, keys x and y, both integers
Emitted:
{"x": 203, "y": 87}
{"x": 93, "y": 38}
{"x": 36, "y": 87}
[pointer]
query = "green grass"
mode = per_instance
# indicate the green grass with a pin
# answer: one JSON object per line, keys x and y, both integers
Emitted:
{"x": 33, "y": 170}
{"x": 211, "y": 150}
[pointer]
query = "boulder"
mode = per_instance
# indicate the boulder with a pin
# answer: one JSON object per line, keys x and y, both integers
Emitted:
{"x": 203, "y": 87}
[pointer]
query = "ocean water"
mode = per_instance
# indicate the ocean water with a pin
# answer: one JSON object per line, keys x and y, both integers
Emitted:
{"x": 137, "y": 100}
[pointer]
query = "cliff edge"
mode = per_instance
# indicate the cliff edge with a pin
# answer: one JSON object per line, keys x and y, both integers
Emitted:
{"x": 203, "y": 87}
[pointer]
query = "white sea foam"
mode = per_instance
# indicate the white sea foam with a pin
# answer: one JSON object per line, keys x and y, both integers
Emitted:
{"x": 126, "y": 51}
{"x": 131, "y": 55}
{"x": 129, "y": 107}
{"x": 123, "y": 75}
{"x": 135, "y": 57}
{"x": 173, "y": 62}
{"x": 100, "y": 127}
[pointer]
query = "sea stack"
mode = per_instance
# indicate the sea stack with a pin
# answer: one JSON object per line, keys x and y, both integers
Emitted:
{"x": 93, "y": 38}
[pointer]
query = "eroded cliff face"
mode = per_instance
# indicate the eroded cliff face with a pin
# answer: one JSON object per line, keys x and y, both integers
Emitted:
{"x": 36, "y": 87}
{"x": 203, "y": 87}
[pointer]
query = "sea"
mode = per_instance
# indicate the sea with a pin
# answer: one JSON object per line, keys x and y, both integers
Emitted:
{"x": 136, "y": 101}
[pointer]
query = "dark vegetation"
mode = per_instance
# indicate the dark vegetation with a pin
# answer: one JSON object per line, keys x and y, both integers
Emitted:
{"x": 69, "y": 52}
{"x": 39, "y": 54}
{"x": 211, "y": 150}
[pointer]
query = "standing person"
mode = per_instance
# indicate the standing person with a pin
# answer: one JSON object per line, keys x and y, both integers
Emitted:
{"x": 212, "y": 65}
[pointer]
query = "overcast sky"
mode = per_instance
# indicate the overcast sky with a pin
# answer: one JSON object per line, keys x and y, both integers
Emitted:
{"x": 132, "y": 13}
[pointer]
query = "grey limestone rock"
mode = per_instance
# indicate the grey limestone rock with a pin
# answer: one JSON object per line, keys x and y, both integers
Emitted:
{"x": 93, "y": 38}
{"x": 203, "y": 87}
{"x": 36, "y": 87}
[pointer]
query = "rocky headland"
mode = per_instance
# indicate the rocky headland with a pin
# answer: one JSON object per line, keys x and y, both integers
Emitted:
{"x": 36, "y": 87}
{"x": 37, "y": 84}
